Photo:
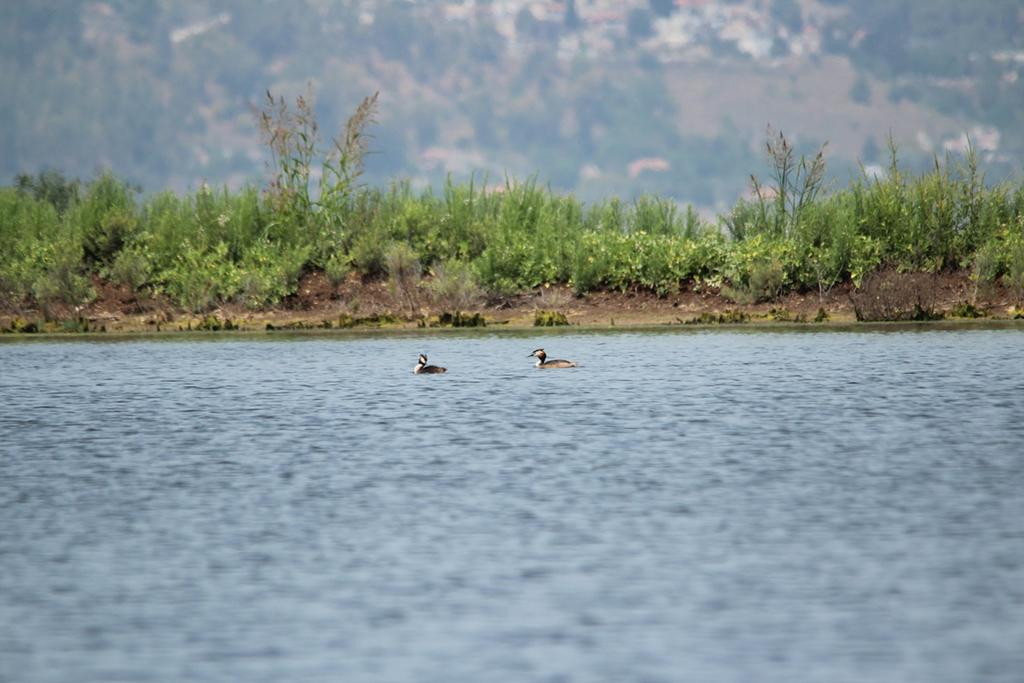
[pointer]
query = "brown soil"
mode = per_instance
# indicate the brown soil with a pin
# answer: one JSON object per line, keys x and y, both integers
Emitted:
{"x": 318, "y": 303}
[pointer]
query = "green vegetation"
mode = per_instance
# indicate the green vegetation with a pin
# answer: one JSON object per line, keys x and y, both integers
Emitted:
{"x": 549, "y": 319}
{"x": 60, "y": 238}
{"x": 459, "y": 319}
{"x": 730, "y": 317}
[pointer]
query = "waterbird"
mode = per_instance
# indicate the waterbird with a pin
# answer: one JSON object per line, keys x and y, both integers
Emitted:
{"x": 554, "y": 363}
{"x": 423, "y": 369}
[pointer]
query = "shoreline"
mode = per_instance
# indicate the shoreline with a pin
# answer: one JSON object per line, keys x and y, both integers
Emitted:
{"x": 756, "y": 327}
{"x": 359, "y": 307}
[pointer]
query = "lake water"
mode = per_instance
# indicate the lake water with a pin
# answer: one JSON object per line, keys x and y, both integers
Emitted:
{"x": 687, "y": 506}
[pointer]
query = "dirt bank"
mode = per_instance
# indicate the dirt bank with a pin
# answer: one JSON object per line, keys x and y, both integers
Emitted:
{"x": 357, "y": 303}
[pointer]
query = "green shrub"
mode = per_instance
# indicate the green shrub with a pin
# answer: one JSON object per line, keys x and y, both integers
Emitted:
{"x": 404, "y": 273}
{"x": 865, "y": 258}
{"x": 367, "y": 252}
{"x": 19, "y": 325}
{"x": 590, "y": 263}
{"x": 337, "y": 268}
{"x": 459, "y": 232}
{"x": 269, "y": 272}
{"x": 216, "y": 245}
{"x": 41, "y": 255}
{"x": 454, "y": 286}
{"x": 61, "y": 280}
{"x": 743, "y": 220}
{"x": 784, "y": 315}
{"x": 1014, "y": 277}
{"x": 655, "y": 216}
{"x": 549, "y": 319}
{"x": 132, "y": 267}
{"x": 987, "y": 266}
{"x": 107, "y": 218}
{"x": 460, "y": 319}
{"x": 760, "y": 269}
{"x": 728, "y": 317}
{"x": 200, "y": 277}
{"x": 966, "y": 309}
{"x": 50, "y": 186}
{"x": 28, "y": 227}
{"x": 211, "y": 323}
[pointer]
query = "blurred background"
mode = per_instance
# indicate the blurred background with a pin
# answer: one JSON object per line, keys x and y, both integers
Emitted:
{"x": 595, "y": 97}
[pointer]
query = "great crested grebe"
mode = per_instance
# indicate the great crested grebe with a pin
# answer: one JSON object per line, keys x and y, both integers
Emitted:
{"x": 555, "y": 363}
{"x": 423, "y": 369}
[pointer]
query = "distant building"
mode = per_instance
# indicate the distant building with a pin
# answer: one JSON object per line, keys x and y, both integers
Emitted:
{"x": 982, "y": 138}
{"x": 180, "y": 35}
{"x": 648, "y": 165}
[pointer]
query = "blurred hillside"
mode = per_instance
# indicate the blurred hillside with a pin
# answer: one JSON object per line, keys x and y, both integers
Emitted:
{"x": 594, "y": 96}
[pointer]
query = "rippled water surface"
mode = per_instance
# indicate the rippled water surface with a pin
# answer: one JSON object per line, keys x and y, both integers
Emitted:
{"x": 711, "y": 506}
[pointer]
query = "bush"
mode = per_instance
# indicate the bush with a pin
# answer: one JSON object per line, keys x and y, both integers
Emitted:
{"x": 549, "y": 319}
{"x": 28, "y": 228}
{"x": 107, "y": 218}
{"x": 215, "y": 245}
{"x": 404, "y": 273}
{"x": 454, "y": 287}
{"x": 337, "y": 268}
{"x": 894, "y": 296}
{"x": 1014, "y": 277}
{"x": 367, "y": 253}
{"x": 61, "y": 280}
{"x": 460, "y": 319}
{"x": 51, "y": 187}
{"x": 729, "y": 317}
{"x": 760, "y": 269}
{"x": 269, "y": 272}
{"x": 132, "y": 267}
{"x": 201, "y": 277}
{"x": 966, "y": 309}
{"x": 987, "y": 267}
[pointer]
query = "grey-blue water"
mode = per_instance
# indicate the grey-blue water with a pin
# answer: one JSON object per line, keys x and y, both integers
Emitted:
{"x": 713, "y": 506}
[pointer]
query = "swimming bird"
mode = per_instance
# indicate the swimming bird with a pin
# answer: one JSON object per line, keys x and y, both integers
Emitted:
{"x": 423, "y": 369}
{"x": 554, "y": 363}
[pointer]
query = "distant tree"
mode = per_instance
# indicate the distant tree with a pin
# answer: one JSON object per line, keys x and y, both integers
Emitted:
{"x": 49, "y": 186}
{"x": 662, "y": 8}
{"x": 639, "y": 23}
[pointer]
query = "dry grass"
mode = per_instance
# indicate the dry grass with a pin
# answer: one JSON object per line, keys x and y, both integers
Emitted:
{"x": 889, "y": 295}
{"x": 553, "y": 298}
